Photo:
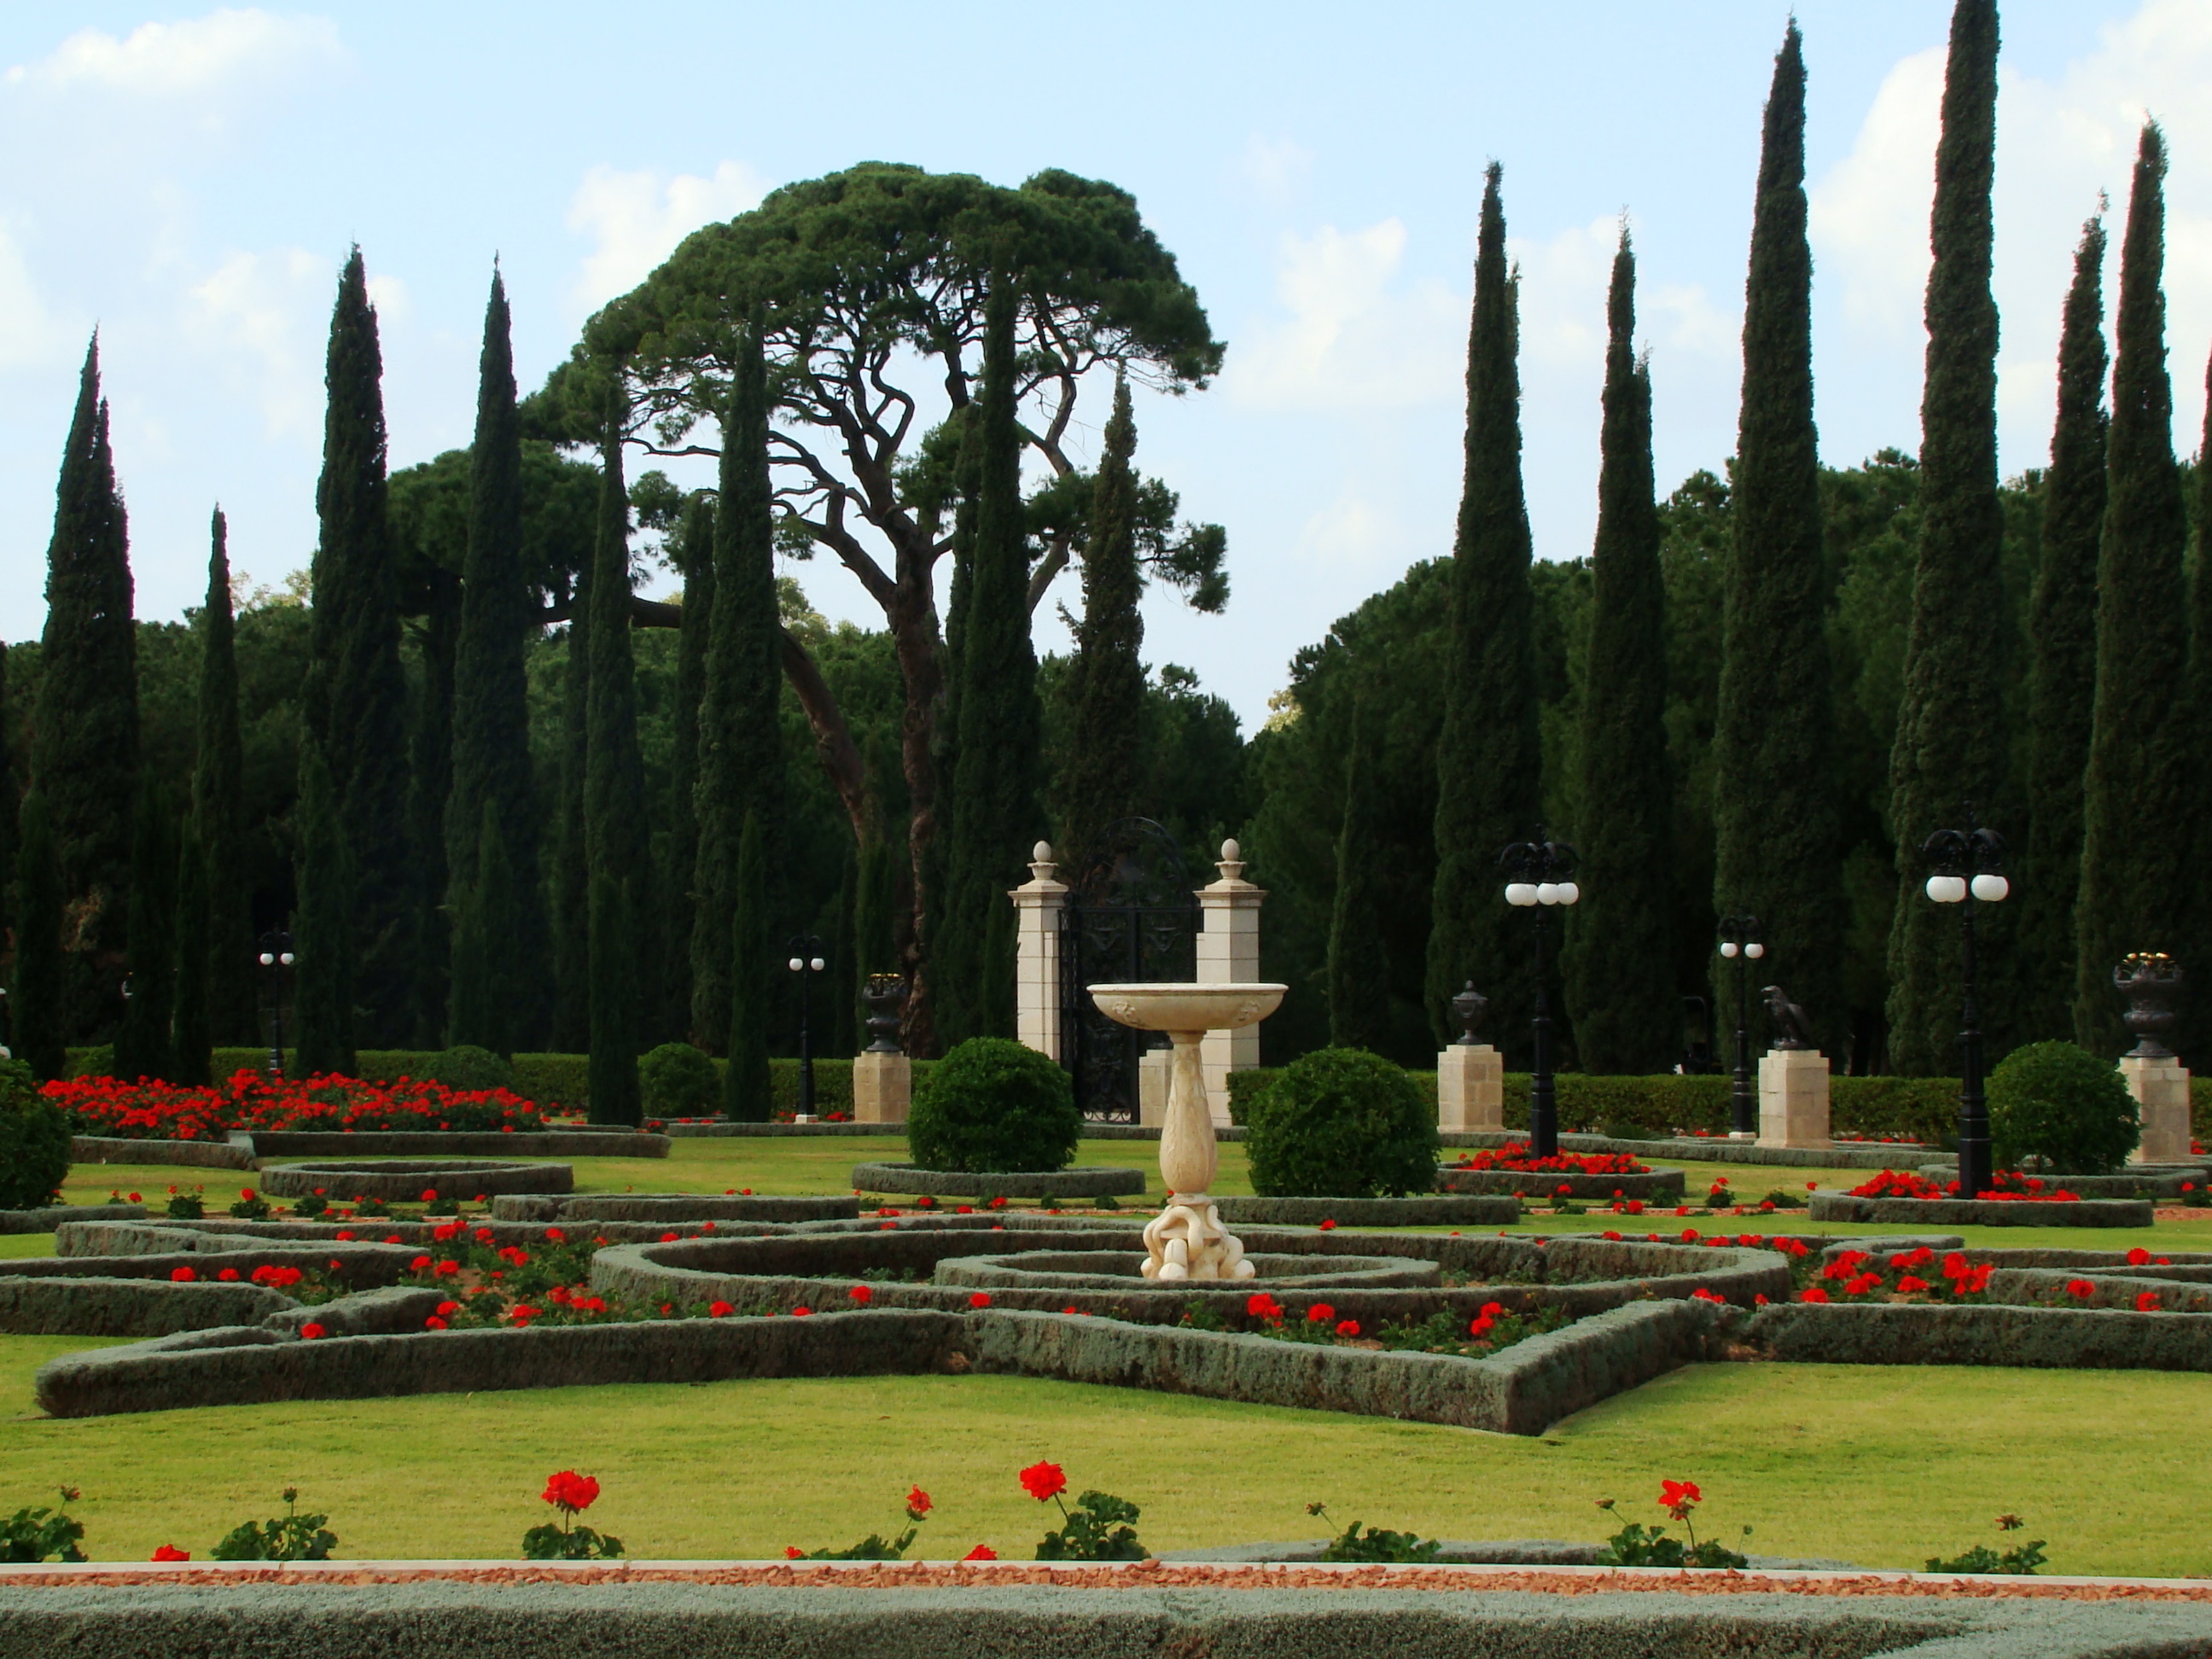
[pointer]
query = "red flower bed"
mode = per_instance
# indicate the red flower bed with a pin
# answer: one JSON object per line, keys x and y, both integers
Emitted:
{"x": 251, "y": 1101}
{"x": 1515, "y": 1160}
{"x": 2010, "y": 1184}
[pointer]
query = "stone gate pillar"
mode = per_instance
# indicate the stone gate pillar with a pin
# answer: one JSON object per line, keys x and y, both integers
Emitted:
{"x": 2161, "y": 1085}
{"x": 1229, "y": 953}
{"x": 1038, "y": 903}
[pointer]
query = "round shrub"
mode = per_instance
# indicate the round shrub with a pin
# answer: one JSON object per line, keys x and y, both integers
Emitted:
{"x": 677, "y": 1080}
{"x": 469, "y": 1068}
{"x": 1341, "y": 1123}
{"x": 34, "y": 1141}
{"x": 2061, "y": 1106}
{"x": 992, "y": 1105}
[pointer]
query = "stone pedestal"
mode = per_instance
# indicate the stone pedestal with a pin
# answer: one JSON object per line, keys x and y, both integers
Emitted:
{"x": 1038, "y": 903}
{"x": 1152, "y": 1067}
{"x": 1470, "y": 1087}
{"x": 2160, "y": 1087}
{"x": 1793, "y": 1099}
{"x": 883, "y": 1087}
{"x": 1228, "y": 953}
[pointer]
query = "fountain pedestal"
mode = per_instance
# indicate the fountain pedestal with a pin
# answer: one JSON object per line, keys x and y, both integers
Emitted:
{"x": 1187, "y": 1240}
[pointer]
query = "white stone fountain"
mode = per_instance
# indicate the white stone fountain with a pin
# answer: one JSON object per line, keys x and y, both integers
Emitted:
{"x": 1187, "y": 1240}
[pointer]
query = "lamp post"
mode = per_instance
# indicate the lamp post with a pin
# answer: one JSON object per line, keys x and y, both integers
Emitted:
{"x": 1537, "y": 872}
{"x": 1741, "y": 945}
{"x": 1964, "y": 863}
{"x": 275, "y": 962}
{"x": 806, "y": 962}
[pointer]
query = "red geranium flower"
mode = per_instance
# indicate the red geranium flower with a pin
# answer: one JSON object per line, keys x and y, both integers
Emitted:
{"x": 182, "y": 1275}
{"x": 171, "y": 1552}
{"x": 1676, "y": 1497}
{"x": 981, "y": 1552}
{"x": 1702, "y": 1294}
{"x": 1910, "y": 1283}
{"x": 1814, "y": 1293}
{"x": 311, "y": 1332}
{"x": 2146, "y": 1302}
{"x": 719, "y": 1310}
{"x": 1044, "y": 1481}
{"x": 570, "y": 1492}
{"x": 1329, "y": 1223}
{"x": 1320, "y": 1313}
{"x": 801, "y": 1313}
{"x": 434, "y": 1323}
{"x": 1260, "y": 1305}
{"x": 980, "y": 1299}
{"x": 228, "y": 1274}
{"x": 2080, "y": 1287}
{"x": 917, "y": 1504}
{"x": 246, "y": 1194}
{"x": 429, "y": 1194}
{"x": 793, "y": 1552}
{"x": 1347, "y": 1328}
{"x": 2138, "y": 1257}
{"x": 862, "y": 1294}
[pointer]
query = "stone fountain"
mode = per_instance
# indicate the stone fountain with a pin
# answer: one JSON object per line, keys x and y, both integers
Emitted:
{"x": 1187, "y": 1240}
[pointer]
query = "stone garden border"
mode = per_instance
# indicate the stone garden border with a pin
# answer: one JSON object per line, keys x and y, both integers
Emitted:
{"x": 1088, "y": 1182}
{"x": 409, "y": 1178}
{"x": 1660, "y": 1184}
{"x": 1981, "y": 1213}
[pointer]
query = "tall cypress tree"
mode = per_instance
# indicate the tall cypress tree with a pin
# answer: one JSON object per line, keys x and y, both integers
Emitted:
{"x": 2198, "y": 948}
{"x": 616, "y": 849}
{"x": 36, "y": 1030}
{"x": 1774, "y": 807}
{"x": 322, "y": 929}
{"x": 2062, "y": 627}
{"x": 1105, "y": 683}
{"x": 360, "y": 721}
{"x": 2137, "y": 869}
{"x": 1489, "y": 755}
{"x": 192, "y": 1056}
{"x": 84, "y": 730}
{"x": 994, "y": 815}
{"x": 741, "y": 757}
{"x": 11, "y": 802}
{"x": 695, "y": 556}
{"x": 571, "y": 883}
{"x": 746, "y": 1095}
{"x": 1951, "y": 745}
{"x": 218, "y": 812}
{"x": 1618, "y": 959}
{"x": 142, "y": 1045}
{"x": 480, "y": 1015}
{"x": 1359, "y": 970}
{"x": 430, "y": 781}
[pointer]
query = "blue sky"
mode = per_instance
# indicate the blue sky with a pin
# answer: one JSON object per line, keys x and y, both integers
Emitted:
{"x": 190, "y": 180}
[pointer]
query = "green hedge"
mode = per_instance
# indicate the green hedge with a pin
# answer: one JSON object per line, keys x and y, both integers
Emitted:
{"x": 1934, "y": 1334}
{"x": 63, "y": 1306}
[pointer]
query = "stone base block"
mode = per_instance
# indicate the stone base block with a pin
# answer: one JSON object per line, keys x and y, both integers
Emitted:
{"x": 1470, "y": 1088}
{"x": 1793, "y": 1099}
{"x": 2161, "y": 1091}
{"x": 883, "y": 1088}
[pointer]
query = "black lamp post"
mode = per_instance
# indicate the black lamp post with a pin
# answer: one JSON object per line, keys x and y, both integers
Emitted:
{"x": 275, "y": 963}
{"x": 1537, "y": 877}
{"x": 806, "y": 962}
{"x": 1741, "y": 945}
{"x": 1964, "y": 863}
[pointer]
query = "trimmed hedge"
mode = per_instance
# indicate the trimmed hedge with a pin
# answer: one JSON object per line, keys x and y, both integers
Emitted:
{"x": 2045, "y": 1287}
{"x": 54, "y": 1217}
{"x": 455, "y": 1143}
{"x": 1091, "y": 1182}
{"x": 409, "y": 1178}
{"x": 1115, "y": 1270}
{"x": 1935, "y": 1333}
{"x": 1662, "y": 1184}
{"x": 190, "y": 1154}
{"x": 34, "y": 1141}
{"x": 1463, "y": 1209}
{"x": 63, "y": 1306}
{"x": 1980, "y": 1212}
{"x": 667, "y": 1207}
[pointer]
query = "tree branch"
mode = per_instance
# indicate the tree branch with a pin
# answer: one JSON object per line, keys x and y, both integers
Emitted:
{"x": 833, "y": 738}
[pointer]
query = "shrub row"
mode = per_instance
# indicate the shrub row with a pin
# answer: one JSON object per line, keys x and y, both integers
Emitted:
{"x": 668, "y": 1208}
{"x": 1980, "y": 1213}
{"x": 1088, "y": 1182}
{"x": 1938, "y": 1334}
{"x": 1464, "y": 1210}
{"x": 68, "y": 1306}
{"x": 54, "y": 1217}
{"x": 2043, "y": 1287}
{"x": 408, "y": 1179}
{"x": 1657, "y": 1184}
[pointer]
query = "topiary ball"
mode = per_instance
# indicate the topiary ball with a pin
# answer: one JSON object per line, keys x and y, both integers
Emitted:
{"x": 34, "y": 1141}
{"x": 1341, "y": 1123}
{"x": 991, "y": 1106}
{"x": 677, "y": 1080}
{"x": 466, "y": 1067}
{"x": 2060, "y": 1105}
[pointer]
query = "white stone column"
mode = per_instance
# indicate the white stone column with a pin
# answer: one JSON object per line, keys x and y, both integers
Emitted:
{"x": 1153, "y": 1086}
{"x": 1228, "y": 954}
{"x": 2160, "y": 1087}
{"x": 1793, "y": 1099}
{"x": 1038, "y": 903}
{"x": 1470, "y": 1088}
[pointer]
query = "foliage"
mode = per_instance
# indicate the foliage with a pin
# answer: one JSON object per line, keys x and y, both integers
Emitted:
{"x": 193, "y": 1047}
{"x": 991, "y": 1104}
{"x": 1341, "y": 1123}
{"x": 677, "y": 1080}
{"x": 250, "y": 1100}
{"x": 466, "y": 1069}
{"x": 1104, "y": 684}
{"x": 749, "y": 973}
{"x": 290, "y": 1536}
{"x": 1097, "y": 1529}
{"x": 37, "y": 1019}
{"x": 1981, "y": 1558}
{"x": 2062, "y": 1107}
{"x": 875, "y": 1547}
{"x": 34, "y": 1141}
{"x": 571, "y": 1494}
{"x": 324, "y": 980}
{"x": 220, "y": 805}
{"x": 1636, "y": 1546}
{"x": 1376, "y": 1544}
{"x": 1359, "y": 969}
{"x": 33, "y": 1535}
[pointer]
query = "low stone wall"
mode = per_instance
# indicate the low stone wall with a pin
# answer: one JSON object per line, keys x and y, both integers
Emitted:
{"x": 408, "y": 1179}
{"x": 57, "y": 1216}
{"x": 1010, "y": 1183}
{"x": 1464, "y": 1210}
{"x": 1981, "y": 1213}
{"x": 195, "y": 1154}
{"x": 1656, "y": 1184}
{"x": 1935, "y": 1333}
{"x": 667, "y": 1207}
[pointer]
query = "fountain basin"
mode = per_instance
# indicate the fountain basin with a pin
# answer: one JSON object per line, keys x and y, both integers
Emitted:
{"x": 1117, "y": 1270}
{"x": 1192, "y": 1008}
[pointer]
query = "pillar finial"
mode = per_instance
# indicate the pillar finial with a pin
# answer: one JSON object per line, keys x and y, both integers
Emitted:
{"x": 1231, "y": 862}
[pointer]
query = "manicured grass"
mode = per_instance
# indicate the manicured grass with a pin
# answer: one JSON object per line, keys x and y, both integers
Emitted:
{"x": 1881, "y": 1465}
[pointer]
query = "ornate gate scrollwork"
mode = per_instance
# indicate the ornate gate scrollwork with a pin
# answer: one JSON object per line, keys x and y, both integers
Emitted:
{"x": 1131, "y": 915}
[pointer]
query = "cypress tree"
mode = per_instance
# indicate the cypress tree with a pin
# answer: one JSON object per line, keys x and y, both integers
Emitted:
{"x": 2063, "y": 628}
{"x": 11, "y": 804}
{"x": 36, "y": 1028}
{"x": 2137, "y": 873}
{"x": 142, "y": 1045}
{"x": 193, "y": 1059}
{"x": 491, "y": 713}
{"x": 1105, "y": 683}
{"x": 572, "y": 1010}
{"x": 218, "y": 814}
{"x": 1774, "y": 807}
{"x": 616, "y": 851}
{"x": 745, "y": 1094}
{"x": 1951, "y": 745}
{"x": 430, "y": 781}
{"x": 84, "y": 731}
{"x": 1489, "y": 755}
{"x": 740, "y": 753}
{"x": 1620, "y": 979}
{"x": 2198, "y": 946}
{"x": 482, "y": 1014}
{"x": 695, "y": 557}
{"x": 1359, "y": 970}
{"x": 994, "y": 815}
{"x": 323, "y": 985}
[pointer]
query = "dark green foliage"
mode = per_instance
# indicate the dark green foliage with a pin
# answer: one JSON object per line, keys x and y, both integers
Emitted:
{"x": 1952, "y": 743}
{"x": 194, "y": 1042}
{"x": 1637, "y": 1545}
{"x": 2199, "y": 946}
{"x": 290, "y": 1536}
{"x": 571, "y": 882}
{"x": 740, "y": 757}
{"x": 1490, "y": 753}
{"x": 36, "y": 1030}
{"x": 993, "y": 817}
{"x": 1097, "y": 1529}
{"x": 2022, "y": 1559}
{"x": 2061, "y": 1106}
{"x": 142, "y": 1045}
{"x": 751, "y": 976}
{"x": 1619, "y": 973}
{"x": 1341, "y": 1123}
{"x": 1359, "y": 970}
{"x": 464, "y": 1066}
{"x": 84, "y": 734}
{"x": 11, "y": 799}
{"x": 552, "y": 1543}
{"x": 33, "y": 1534}
{"x": 2063, "y": 628}
{"x": 1776, "y": 852}
{"x": 992, "y": 1105}
{"x": 361, "y": 720}
{"x": 34, "y": 1141}
{"x": 1105, "y": 683}
{"x": 695, "y": 556}
{"x": 430, "y": 781}
{"x": 219, "y": 812}
{"x": 2136, "y": 870}
{"x": 489, "y": 986}
{"x": 677, "y": 1080}
{"x": 614, "y": 1003}
{"x": 1376, "y": 1543}
{"x": 323, "y": 1030}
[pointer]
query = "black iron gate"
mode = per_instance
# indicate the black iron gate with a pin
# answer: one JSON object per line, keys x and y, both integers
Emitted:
{"x": 1131, "y": 916}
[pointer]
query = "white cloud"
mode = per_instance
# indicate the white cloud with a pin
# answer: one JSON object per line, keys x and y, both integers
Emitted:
{"x": 29, "y": 333}
{"x": 1274, "y": 168}
{"x": 1352, "y": 535}
{"x": 1869, "y": 216}
{"x": 196, "y": 55}
{"x": 635, "y": 220}
{"x": 262, "y": 318}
